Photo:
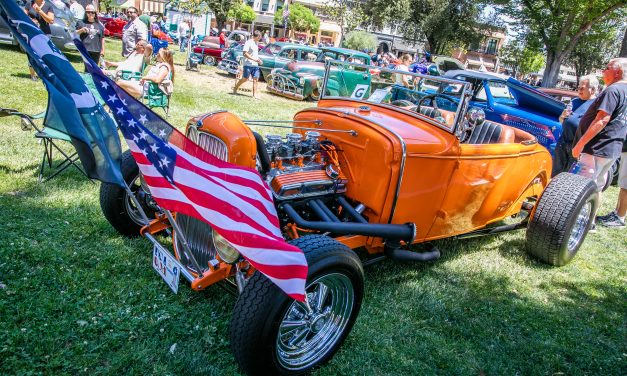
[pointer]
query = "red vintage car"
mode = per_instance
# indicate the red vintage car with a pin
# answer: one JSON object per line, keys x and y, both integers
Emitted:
{"x": 113, "y": 28}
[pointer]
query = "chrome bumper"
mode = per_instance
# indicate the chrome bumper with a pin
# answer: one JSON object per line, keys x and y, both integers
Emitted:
{"x": 281, "y": 85}
{"x": 229, "y": 66}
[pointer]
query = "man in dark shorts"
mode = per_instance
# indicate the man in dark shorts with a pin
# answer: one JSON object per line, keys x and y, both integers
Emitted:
{"x": 42, "y": 14}
{"x": 251, "y": 63}
{"x": 602, "y": 129}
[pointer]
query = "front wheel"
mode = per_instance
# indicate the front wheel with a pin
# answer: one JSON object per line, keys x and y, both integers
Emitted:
{"x": 274, "y": 334}
{"x": 209, "y": 60}
{"x": 118, "y": 208}
{"x": 562, "y": 218}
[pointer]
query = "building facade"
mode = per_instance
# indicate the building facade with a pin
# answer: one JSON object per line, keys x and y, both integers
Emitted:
{"x": 483, "y": 56}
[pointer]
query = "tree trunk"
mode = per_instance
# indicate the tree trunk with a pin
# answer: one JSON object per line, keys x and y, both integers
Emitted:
{"x": 551, "y": 72}
{"x": 623, "y": 48}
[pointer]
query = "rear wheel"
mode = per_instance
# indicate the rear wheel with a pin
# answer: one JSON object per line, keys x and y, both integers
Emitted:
{"x": 562, "y": 218}
{"x": 274, "y": 334}
{"x": 315, "y": 94}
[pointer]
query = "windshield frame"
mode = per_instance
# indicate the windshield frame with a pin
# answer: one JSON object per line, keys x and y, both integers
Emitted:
{"x": 464, "y": 95}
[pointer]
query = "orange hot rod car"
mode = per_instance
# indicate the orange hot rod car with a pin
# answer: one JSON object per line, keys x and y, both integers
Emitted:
{"x": 370, "y": 173}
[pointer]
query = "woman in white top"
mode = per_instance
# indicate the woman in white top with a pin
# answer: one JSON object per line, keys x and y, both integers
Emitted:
{"x": 403, "y": 79}
{"x": 161, "y": 74}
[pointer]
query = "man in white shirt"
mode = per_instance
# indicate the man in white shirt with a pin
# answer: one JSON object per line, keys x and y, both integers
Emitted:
{"x": 134, "y": 31}
{"x": 183, "y": 34}
{"x": 251, "y": 63}
{"x": 133, "y": 63}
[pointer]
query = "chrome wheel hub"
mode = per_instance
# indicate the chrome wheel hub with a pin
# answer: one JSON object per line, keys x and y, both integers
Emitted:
{"x": 579, "y": 229}
{"x": 308, "y": 332}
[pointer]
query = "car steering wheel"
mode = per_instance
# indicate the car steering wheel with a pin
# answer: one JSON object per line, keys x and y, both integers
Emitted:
{"x": 434, "y": 103}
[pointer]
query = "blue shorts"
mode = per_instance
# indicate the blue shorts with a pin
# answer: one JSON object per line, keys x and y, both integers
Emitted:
{"x": 250, "y": 70}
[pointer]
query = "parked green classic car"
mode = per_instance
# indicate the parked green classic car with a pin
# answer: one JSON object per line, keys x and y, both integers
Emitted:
{"x": 303, "y": 80}
{"x": 274, "y": 55}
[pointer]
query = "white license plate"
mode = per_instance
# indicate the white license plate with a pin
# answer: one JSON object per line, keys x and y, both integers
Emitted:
{"x": 167, "y": 268}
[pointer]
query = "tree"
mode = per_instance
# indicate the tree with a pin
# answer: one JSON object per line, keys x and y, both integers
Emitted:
{"x": 241, "y": 12}
{"x": 623, "y": 47}
{"x": 220, "y": 8}
{"x": 521, "y": 58}
{"x": 595, "y": 48}
{"x": 349, "y": 14}
{"x": 360, "y": 40}
{"x": 560, "y": 25}
{"x": 443, "y": 23}
{"x": 301, "y": 18}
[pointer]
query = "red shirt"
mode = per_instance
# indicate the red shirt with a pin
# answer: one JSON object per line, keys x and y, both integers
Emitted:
{"x": 222, "y": 38}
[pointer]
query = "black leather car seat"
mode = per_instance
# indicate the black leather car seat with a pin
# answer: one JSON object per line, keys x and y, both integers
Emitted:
{"x": 490, "y": 132}
{"x": 431, "y": 112}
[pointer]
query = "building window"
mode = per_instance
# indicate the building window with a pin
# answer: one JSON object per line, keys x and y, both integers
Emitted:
{"x": 279, "y": 4}
{"x": 491, "y": 48}
{"x": 251, "y": 3}
{"x": 265, "y": 5}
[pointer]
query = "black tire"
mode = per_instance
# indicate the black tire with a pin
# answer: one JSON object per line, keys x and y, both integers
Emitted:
{"x": 562, "y": 218}
{"x": 115, "y": 203}
{"x": 262, "y": 307}
{"x": 315, "y": 94}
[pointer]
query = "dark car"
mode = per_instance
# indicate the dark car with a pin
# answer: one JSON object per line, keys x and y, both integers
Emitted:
{"x": 64, "y": 24}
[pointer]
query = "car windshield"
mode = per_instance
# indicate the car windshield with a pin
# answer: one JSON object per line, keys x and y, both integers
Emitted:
{"x": 435, "y": 99}
{"x": 501, "y": 94}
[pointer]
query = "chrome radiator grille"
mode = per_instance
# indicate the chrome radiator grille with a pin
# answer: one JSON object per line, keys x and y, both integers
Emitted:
{"x": 209, "y": 142}
{"x": 197, "y": 233}
{"x": 200, "y": 240}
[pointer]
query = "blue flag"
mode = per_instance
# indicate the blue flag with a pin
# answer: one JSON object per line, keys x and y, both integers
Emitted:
{"x": 72, "y": 108}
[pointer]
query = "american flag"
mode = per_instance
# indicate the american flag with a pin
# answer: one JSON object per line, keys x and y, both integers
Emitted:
{"x": 185, "y": 178}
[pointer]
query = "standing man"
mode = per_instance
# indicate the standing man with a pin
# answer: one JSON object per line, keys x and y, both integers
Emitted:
{"x": 266, "y": 38}
{"x": 222, "y": 39}
{"x": 42, "y": 14}
{"x": 603, "y": 128}
{"x": 183, "y": 34}
{"x": 251, "y": 63}
{"x": 134, "y": 31}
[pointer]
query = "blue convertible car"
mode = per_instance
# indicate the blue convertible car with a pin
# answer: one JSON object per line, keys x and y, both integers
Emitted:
{"x": 511, "y": 102}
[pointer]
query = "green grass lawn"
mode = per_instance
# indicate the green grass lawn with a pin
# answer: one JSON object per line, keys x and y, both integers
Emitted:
{"x": 77, "y": 298}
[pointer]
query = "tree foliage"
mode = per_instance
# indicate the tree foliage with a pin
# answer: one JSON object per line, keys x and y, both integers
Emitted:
{"x": 349, "y": 14}
{"x": 521, "y": 58}
{"x": 560, "y": 25}
{"x": 242, "y": 13}
{"x": 360, "y": 40}
{"x": 220, "y": 8}
{"x": 595, "y": 48}
{"x": 301, "y": 18}
{"x": 443, "y": 23}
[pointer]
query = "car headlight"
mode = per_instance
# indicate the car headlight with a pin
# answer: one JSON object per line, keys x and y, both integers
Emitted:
{"x": 301, "y": 81}
{"x": 225, "y": 250}
{"x": 223, "y": 54}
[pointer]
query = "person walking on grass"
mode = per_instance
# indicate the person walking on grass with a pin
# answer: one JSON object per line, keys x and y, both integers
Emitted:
{"x": 602, "y": 129}
{"x": 251, "y": 63}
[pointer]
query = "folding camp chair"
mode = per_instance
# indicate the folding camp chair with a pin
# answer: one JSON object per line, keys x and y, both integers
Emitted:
{"x": 157, "y": 98}
{"x": 49, "y": 138}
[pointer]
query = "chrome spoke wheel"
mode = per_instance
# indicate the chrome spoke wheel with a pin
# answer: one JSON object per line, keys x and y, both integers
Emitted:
{"x": 131, "y": 208}
{"x": 579, "y": 228}
{"x": 306, "y": 334}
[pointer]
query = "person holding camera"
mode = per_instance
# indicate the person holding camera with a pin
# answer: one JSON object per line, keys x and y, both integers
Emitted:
{"x": 91, "y": 32}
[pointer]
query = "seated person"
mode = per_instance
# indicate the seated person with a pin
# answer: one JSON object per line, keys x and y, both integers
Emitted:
{"x": 134, "y": 62}
{"x": 162, "y": 74}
